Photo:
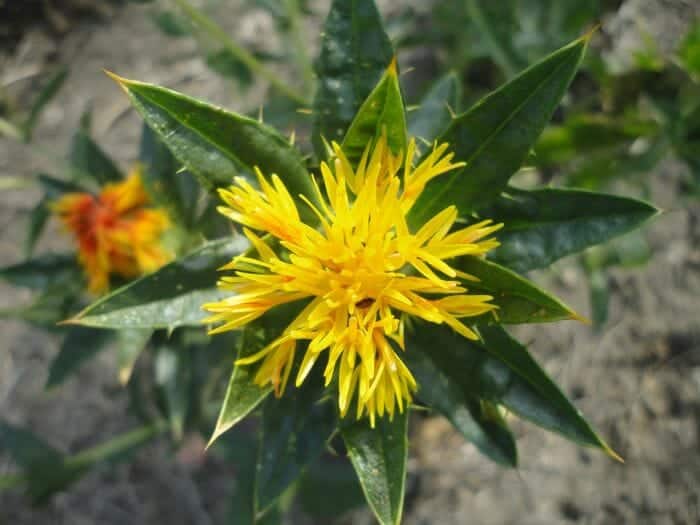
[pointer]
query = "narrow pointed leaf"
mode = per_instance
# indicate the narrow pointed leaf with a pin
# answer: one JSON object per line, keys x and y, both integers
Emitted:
{"x": 78, "y": 346}
{"x": 382, "y": 113}
{"x": 495, "y": 136}
{"x": 518, "y": 300}
{"x": 170, "y": 297}
{"x": 295, "y": 430}
{"x": 379, "y": 457}
{"x": 176, "y": 191}
{"x": 502, "y": 371}
{"x": 38, "y": 218}
{"x": 561, "y": 416}
{"x": 242, "y": 394}
{"x": 541, "y": 226}
{"x": 434, "y": 114}
{"x": 41, "y": 271}
{"x": 90, "y": 162}
{"x": 355, "y": 51}
{"x": 213, "y": 143}
{"x": 47, "y": 93}
{"x": 438, "y": 391}
{"x": 130, "y": 343}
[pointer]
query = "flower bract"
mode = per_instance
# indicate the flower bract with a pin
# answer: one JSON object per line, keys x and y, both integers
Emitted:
{"x": 362, "y": 271}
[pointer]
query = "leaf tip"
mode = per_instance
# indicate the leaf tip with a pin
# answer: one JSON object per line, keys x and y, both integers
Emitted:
{"x": 589, "y": 34}
{"x": 580, "y": 318}
{"x": 392, "y": 68}
{"x": 121, "y": 81}
{"x": 610, "y": 452}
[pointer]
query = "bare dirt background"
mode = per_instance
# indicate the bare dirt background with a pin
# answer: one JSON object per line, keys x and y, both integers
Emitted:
{"x": 638, "y": 381}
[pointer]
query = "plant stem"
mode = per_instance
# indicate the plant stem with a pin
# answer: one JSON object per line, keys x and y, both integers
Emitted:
{"x": 214, "y": 31}
{"x": 119, "y": 445}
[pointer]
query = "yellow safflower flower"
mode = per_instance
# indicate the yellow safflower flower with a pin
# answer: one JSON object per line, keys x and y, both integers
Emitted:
{"x": 115, "y": 231}
{"x": 363, "y": 270}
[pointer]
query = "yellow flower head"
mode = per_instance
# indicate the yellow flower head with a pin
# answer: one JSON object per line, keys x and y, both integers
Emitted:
{"x": 363, "y": 271}
{"x": 116, "y": 233}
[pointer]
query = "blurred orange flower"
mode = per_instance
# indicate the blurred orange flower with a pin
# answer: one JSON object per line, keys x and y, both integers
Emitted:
{"x": 115, "y": 231}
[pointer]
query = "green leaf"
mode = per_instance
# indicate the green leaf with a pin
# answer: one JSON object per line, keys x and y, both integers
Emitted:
{"x": 382, "y": 113}
{"x": 502, "y": 371}
{"x": 242, "y": 394}
{"x": 90, "y": 163}
{"x": 229, "y": 65}
{"x": 434, "y": 114}
{"x": 557, "y": 413}
{"x": 168, "y": 298}
{"x": 213, "y": 143}
{"x": 584, "y": 134}
{"x": 47, "y": 93}
{"x": 355, "y": 51}
{"x": 54, "y": 187}
{"x": 495, "y": 136}
{"x": 599, "y": 294}
{"x": 38, "y": 218}
{"x": 130, "y": 344}
{"x": 46, "y": 471}
{"x": 518, "y": 300}
{"x": 295, "y": 429}
{"x": 440, "y": 392}
{"x": 171, "y": 365}
{"x": 38, "y": 273}
{"x": 689, "y": 50}
{"x": 329, "y": 488}
{"x": 541, "y": 226}
{"x": 379, "y": 458}
{"x": 176, "y": 191}
{"x": 496, "y": 35}
{"x": 79, "y": 345}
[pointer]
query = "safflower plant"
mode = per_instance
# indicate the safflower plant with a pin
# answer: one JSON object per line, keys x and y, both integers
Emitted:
{"x": 373, "y": 272}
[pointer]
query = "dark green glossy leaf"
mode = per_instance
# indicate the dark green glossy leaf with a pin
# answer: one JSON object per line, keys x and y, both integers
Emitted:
{"x": 47, "y": 93}
{"x": 495, "y": 136}
{"x": 440, "y": 392}
{"x": 90, "y": 163}
{"x": 502, "y": 371}
{"x": 242, "y": 394}
{"x": 168, "y": 298}
{"x": 435, "y": 112}
{"x": 213, "y": 143}
{"x": 329, "y": 488}
{"x": 176, "y": 191}
{"x": 541, "y": 226}
{"x": 381, "y": 114}
{"x": 379, "y": 458}
{"x": 295, "y": 429}
{"x": 518, "y": 300}
{"x": 355, "y": 51}
{"x": 556, "y": 413}
{"x": 79, "y": 345}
